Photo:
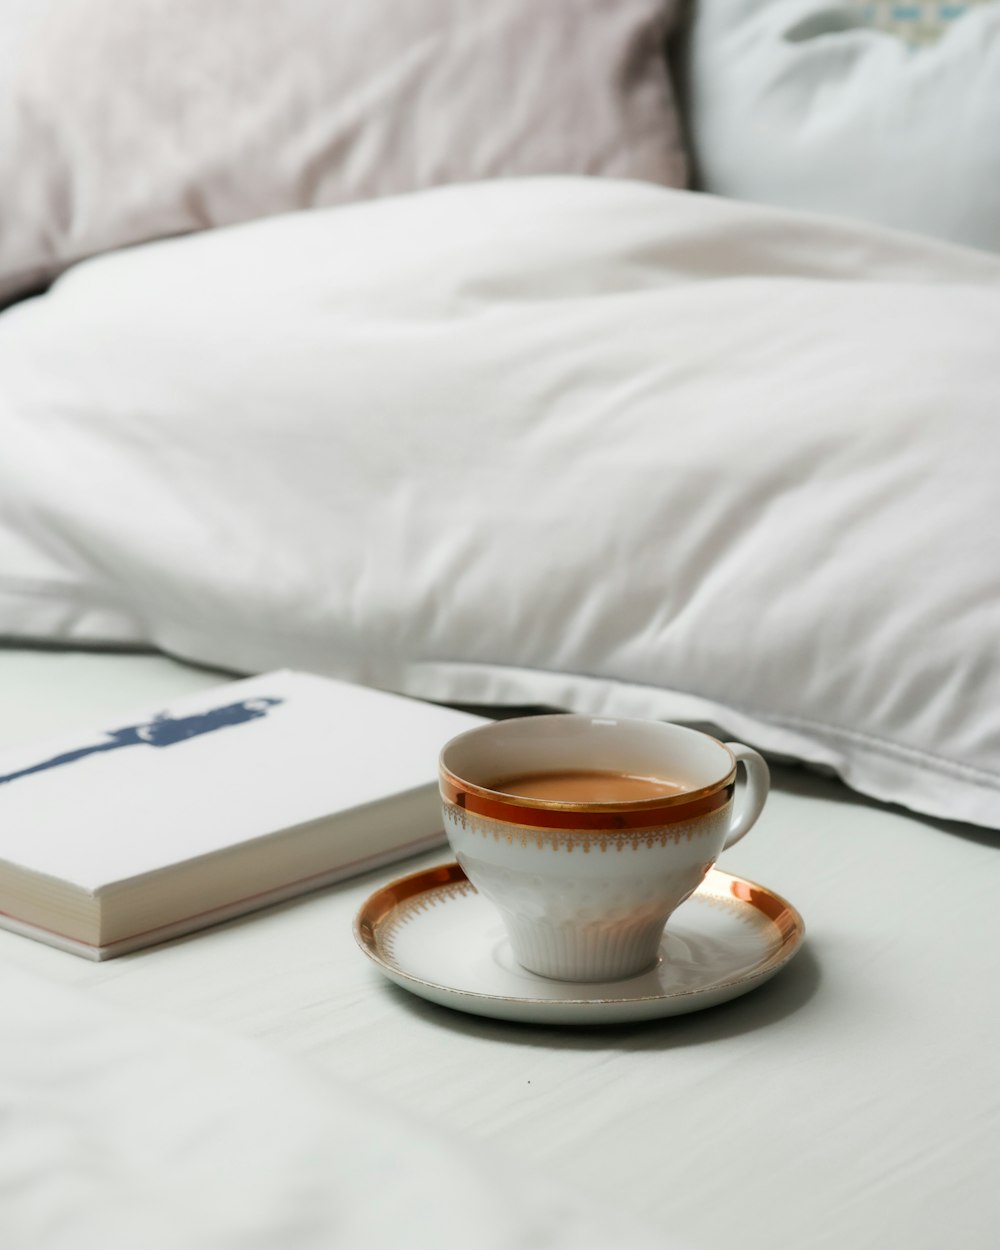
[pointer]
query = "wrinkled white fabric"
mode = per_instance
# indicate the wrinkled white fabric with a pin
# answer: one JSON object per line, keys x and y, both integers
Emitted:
{"x": 579, "y": 442}
{"x": 124, "y": 1130}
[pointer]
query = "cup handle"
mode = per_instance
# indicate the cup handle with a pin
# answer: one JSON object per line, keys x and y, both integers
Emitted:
{"x": 758, "y": 784}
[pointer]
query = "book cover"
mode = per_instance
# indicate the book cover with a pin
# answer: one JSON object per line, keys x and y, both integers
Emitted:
{"x": 219, "y": 803}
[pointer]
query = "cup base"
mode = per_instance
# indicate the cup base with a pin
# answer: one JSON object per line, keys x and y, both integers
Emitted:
{"x": 597, "y": 952}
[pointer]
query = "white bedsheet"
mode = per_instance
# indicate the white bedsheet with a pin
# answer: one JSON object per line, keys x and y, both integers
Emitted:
{"x": 852, "y": 1102}
{"x": 125, "y": 1131}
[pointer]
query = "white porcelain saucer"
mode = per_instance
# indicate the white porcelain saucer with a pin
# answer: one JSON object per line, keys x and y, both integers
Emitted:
{"x": 436, "y": 936}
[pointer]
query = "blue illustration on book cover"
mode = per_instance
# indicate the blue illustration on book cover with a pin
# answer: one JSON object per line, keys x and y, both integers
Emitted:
{"x": 161, "y": 731}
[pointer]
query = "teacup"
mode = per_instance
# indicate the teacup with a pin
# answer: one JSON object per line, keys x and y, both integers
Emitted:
{"x": 588, "y": 832}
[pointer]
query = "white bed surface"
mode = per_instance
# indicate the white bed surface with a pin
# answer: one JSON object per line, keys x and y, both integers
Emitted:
{"x": 853, "y": 1101}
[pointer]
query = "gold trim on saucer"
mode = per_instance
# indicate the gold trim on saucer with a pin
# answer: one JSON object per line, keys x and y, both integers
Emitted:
{"x": 384, "y": 902}
{"x": 418, "y": 898}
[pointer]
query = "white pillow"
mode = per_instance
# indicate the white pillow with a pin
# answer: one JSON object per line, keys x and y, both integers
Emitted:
{"x": 126, "y": 122}
{"x": 573, "y": 442}
{"x": 800, "y": 103}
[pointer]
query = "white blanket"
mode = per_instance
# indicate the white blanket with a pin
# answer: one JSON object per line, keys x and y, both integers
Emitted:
{"x": 595, "y": 444}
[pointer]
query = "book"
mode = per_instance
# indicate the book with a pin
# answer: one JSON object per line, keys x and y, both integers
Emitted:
{"x": 217, "y": 804}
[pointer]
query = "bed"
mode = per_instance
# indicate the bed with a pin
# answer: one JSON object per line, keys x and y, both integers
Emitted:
{"x": 504, "y": 437}
{"x": 261, "y": 1080}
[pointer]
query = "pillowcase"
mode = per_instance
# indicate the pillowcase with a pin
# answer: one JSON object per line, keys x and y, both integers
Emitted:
{"x": 122, "y": 123}
{"x": 802, "y": 104}
{"x": 576, "y": 442}
{"x": 916, "y": 23}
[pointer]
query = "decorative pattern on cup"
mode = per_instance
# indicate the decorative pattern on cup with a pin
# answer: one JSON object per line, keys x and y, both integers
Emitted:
{"x": 584, "y": 840}
{"x": 573, "y": 912}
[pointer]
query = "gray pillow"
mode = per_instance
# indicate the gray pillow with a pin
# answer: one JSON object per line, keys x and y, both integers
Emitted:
{"x": 121, "y": 123}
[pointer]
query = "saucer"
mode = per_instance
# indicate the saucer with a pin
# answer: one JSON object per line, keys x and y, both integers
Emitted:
{"x": 433, "y": 934}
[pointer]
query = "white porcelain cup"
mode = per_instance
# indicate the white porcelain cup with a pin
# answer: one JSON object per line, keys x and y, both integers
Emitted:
{"x": 586, "y": 888}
